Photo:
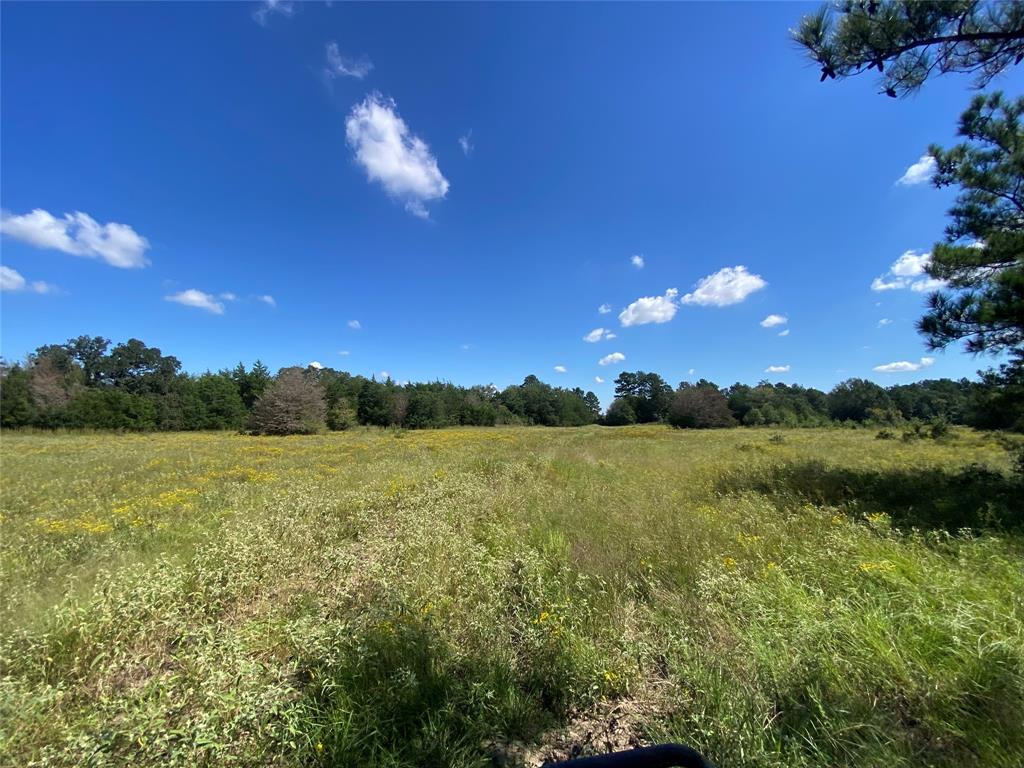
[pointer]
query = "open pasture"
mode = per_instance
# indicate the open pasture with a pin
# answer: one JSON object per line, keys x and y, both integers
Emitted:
{"x": 503, "y": 596}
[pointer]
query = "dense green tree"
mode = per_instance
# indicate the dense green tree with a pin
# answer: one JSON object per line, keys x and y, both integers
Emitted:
{"x": 998, "y": 401}
{"x": 700, "y": 406}
{"x": 137, "y": 368}
{"x": 222, "y": 406}
{"x": 909, "y": 41}
{"x": 982, "y": 260}
{"x": 111, "y": 408}
{"x": 620, "y": 413}
{"x": 375, "y": 407}
{"x": 854, "y": 399}
{"x": 16, "y": 406}
{"x": 647, "y": 393}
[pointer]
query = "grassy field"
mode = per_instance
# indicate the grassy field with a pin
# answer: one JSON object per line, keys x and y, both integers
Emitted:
{"x": 505, "y": 596}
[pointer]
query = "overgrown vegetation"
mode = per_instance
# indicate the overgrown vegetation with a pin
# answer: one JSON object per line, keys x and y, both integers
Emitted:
{"x": 471, "y": 597}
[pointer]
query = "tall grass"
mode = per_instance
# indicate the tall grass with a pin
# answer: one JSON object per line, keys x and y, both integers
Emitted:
{"x": 503, "y": 596}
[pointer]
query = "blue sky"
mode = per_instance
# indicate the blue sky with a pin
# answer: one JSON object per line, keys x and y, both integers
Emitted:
{"x": 470, "y": 183}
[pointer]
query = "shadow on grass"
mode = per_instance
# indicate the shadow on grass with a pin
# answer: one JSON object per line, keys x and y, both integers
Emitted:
{"x": 400, "y": 695}
{"x": 929, "y": 498}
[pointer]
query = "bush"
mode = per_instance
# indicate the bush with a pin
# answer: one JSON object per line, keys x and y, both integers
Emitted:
{"x": 885, "y": 434}
{"x": 291, "y": 405}
{"x": 700, "y": 407}
{"x": 620, "y": 413}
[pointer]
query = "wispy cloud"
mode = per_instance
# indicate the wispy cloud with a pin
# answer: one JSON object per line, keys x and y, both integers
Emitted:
{"x": 197, "y": 299}
{"x": 884, "y": 322}
{"x": 267, "y": 299}
{"x": 466, "y": 142}
{"x": 904, "y": 366}
{"x": 355, "y": 325}
{"x": 12, "y": 281}
{"x": 268, "y": 8}
{"x": 614, "y": 357}
{"x": 784, "y": 332}
{"x": 773, "y": 320}
{"x": 599, "y": 334}
{"x": 919, "y": 172}
{"x": 650, "y": 309}
{"x": 604, "y": 309}
{"x": 560, "y": 369}
{"x": 344, "y": 352}
{"x": 730, "y": 285}
{"x": 79, "y": 235}
{"x": 392, "y": 156}
{"x": 339, "y": 65}
{"x": 637, "y": 261}
{"x": 598, "y": 380}
{"x": 777, "y": 369}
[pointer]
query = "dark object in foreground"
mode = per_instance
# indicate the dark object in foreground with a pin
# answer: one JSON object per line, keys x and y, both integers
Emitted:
{"x": 660, "y": 756}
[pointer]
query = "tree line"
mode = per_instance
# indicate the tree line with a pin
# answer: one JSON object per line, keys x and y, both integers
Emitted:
{"x": 89, "y": 383}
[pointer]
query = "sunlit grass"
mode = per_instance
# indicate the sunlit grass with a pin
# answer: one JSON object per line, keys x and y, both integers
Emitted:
{"x": 454, "y": 597}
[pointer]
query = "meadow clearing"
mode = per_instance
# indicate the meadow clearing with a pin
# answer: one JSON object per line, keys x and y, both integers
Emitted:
{"x": 500, "y": 596}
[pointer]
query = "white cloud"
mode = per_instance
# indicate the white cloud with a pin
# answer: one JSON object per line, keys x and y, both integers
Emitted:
{"x": 315, "y": 365}
{"x": 11, "y": 280}
{"x": 650, "y": 309}
{"x": 919, "y": 172}
{"x": 228, "y": 296}
{"x": 637, "y": 261}
{"x": 267, "y": 299}
{"x": 777, "y": 369}
{"x": 392, "y": 156}
{"x": 604, "y": 309}
{"x": 599, "y": 334}
{"x": 908, "y": 271}
{"x": 691, "y": 372}
{"x": 560, "y": 369}
{"x": 466, "y": 142}
{"x": 269, "y": 7}
{"x": 614, "y": 357}
{"x": 904, "y": 366}
{"x": 598, "y": 380}
{"x": 784, "y": 333}
{"x": 342, "y": 66}
{"x": 79, "y": 235}
{"x": 884, "y": 322}
{"x": 772, "y": 320}
{"x": 384, "y": 375}
{"x": 198, "y": 299}
{"x": 344, "y": 352}
{"x": 355, "y": 325}
{"x": 730, "y": 285}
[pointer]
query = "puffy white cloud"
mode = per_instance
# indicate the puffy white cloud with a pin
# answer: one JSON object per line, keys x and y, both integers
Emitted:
{"x": 908, "y": 271}
{"x": 772, "y": 320}
{"x": 884, "y": 322}
{"x": 79, "y": 235}
{"x": 919, "y": 172}
{"x": 599, "y": 334}
{"x": 267, "y": 299}
{"x": 560, "y": 369}
{"x": 355, "y": 325}
{"x": 614, "y": 357}
{"x": 466, "y": 142}
{"x": 269, "y": 7}
{"x": 342, "y": 66}
{"x": 604, "y": 309}
{"x": 729, "y": 285}
{"x": 315, "y": 365}
{"x": 777, "y": 369}
{"x": 12, "y": 280}
{"x": 392, "y": 156}
{"x": 598, "y": 380}
{"x": 650, "y": 309}
{"x": 198, "y": 299}
{"x": 784, "y": 333}
{"x": 904, "y": 366}
{"x": 637, "y": 261}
